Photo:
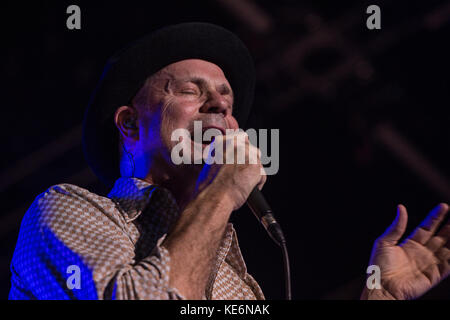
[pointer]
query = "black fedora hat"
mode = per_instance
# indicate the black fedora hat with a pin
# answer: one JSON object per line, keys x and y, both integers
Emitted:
{"x": 126, "y": 72}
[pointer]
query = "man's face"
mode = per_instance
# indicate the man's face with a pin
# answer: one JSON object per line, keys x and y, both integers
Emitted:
{"x": 179, "y": 94}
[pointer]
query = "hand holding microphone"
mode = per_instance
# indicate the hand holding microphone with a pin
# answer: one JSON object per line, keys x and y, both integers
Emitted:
{"x": 241, "y": 183}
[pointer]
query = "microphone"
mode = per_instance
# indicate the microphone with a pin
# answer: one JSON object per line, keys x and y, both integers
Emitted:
{"x": 261, "y": 209}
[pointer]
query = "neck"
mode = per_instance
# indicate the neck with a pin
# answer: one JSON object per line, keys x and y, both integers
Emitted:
{"x": 179, "y": 180}
{"x": 182, "y": 186}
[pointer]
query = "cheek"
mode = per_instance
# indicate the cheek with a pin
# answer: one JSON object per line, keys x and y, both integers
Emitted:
{"x": 150, "y": 127}
{"x": 175, "y": 115}
{"x": 178, "y": 114}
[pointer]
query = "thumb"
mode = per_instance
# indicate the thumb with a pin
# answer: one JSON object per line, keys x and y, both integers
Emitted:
{"x": 396, "y": 230}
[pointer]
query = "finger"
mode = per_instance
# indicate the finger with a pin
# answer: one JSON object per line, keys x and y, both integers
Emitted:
{"x": 254, "y": 155}
{"x": 263, "y": 178}
{"x": 396, "y": 229}
{"x": 445, "y": 232}
{"x": 443, "y": 256}
{"x": 435, "y": 217}
{"x": 428, "y": 227}
{"x": 435, "y": 243}
{"x": 237, "y": 148}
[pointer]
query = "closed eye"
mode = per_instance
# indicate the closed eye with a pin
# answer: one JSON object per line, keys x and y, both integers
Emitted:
{"x": 189, "y": 92}
{"x": 190, "y": 89}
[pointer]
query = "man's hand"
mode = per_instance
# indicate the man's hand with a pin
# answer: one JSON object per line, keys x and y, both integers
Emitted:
{"x": 420, "y": 262}
{"x": 234, "y": 180}
{"x": 196, "y": 236}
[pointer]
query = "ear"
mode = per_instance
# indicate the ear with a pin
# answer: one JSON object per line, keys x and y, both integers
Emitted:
{"x": 126, "y": 120}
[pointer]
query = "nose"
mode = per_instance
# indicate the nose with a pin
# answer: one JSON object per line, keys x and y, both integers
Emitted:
{"x": 216, "y": 103}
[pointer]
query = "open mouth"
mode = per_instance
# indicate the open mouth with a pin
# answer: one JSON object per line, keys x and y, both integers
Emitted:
{"x": 215, "y": 131}
{"x": 206, "y": 140}
{"x": 222, "y": 130}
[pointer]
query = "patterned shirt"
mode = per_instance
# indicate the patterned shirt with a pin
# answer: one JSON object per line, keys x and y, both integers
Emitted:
{"x": 74, "y": 244}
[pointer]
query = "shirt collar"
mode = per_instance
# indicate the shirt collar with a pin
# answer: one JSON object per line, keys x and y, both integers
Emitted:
{"x": 133, "y": 195}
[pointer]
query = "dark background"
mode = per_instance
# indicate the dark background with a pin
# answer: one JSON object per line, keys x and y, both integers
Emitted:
{"x": 363, "y": 118}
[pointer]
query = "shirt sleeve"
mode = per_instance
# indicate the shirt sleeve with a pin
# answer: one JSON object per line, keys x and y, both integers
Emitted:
{"x": 68, "y": 248}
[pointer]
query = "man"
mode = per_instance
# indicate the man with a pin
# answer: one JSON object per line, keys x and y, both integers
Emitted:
{"x": 163, "y": 231}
